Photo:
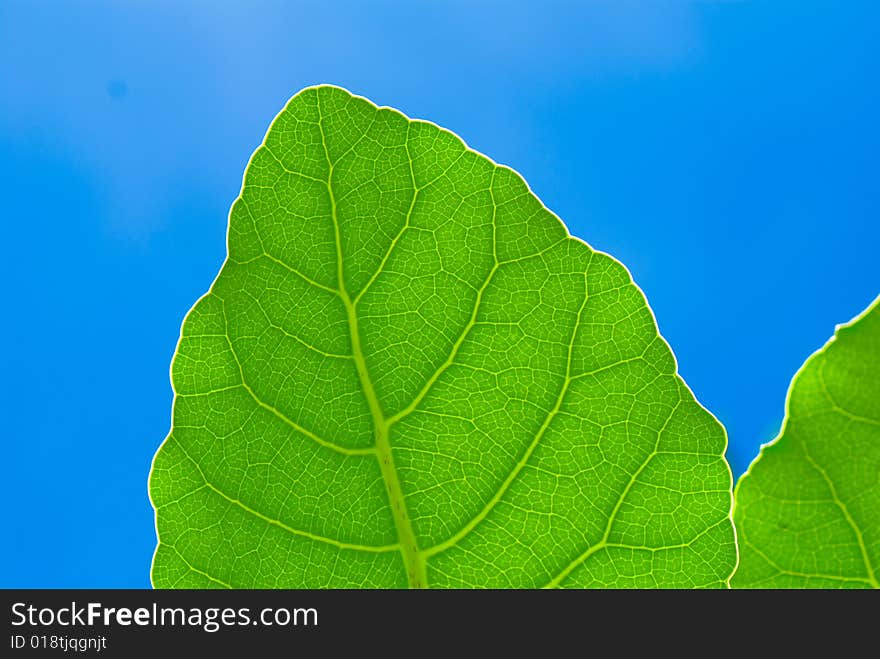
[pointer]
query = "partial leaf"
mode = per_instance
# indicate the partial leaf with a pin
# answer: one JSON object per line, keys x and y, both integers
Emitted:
{"x": 407, "y": 373}
{"x": 808, "y": 510}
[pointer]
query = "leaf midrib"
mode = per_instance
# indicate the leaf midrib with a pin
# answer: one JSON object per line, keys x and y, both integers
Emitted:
{"x": 414, "y": 561}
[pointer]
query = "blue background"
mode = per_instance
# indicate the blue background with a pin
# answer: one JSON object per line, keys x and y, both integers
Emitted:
{"x": 727, "y": 153}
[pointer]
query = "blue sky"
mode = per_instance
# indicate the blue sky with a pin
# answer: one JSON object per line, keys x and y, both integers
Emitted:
{"x": 726, "y": 152}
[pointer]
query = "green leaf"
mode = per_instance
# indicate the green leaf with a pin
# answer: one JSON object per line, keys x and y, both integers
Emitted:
{"x": 808, "y": 510}
{"x": 407, "y": 373}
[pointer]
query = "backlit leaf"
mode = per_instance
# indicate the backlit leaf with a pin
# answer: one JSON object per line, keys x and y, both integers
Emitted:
{"x": 808, "y": 510}
{"x": 407, "y": 373}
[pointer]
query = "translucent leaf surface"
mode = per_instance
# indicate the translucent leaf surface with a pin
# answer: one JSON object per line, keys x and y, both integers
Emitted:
{"x": 808, "y": 510}
{"x": 407, "y": 373}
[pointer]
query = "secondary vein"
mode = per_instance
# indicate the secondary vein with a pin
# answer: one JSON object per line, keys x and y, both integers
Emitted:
{"x": 276, "y": 522}
{"x": 479, "y": 517}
